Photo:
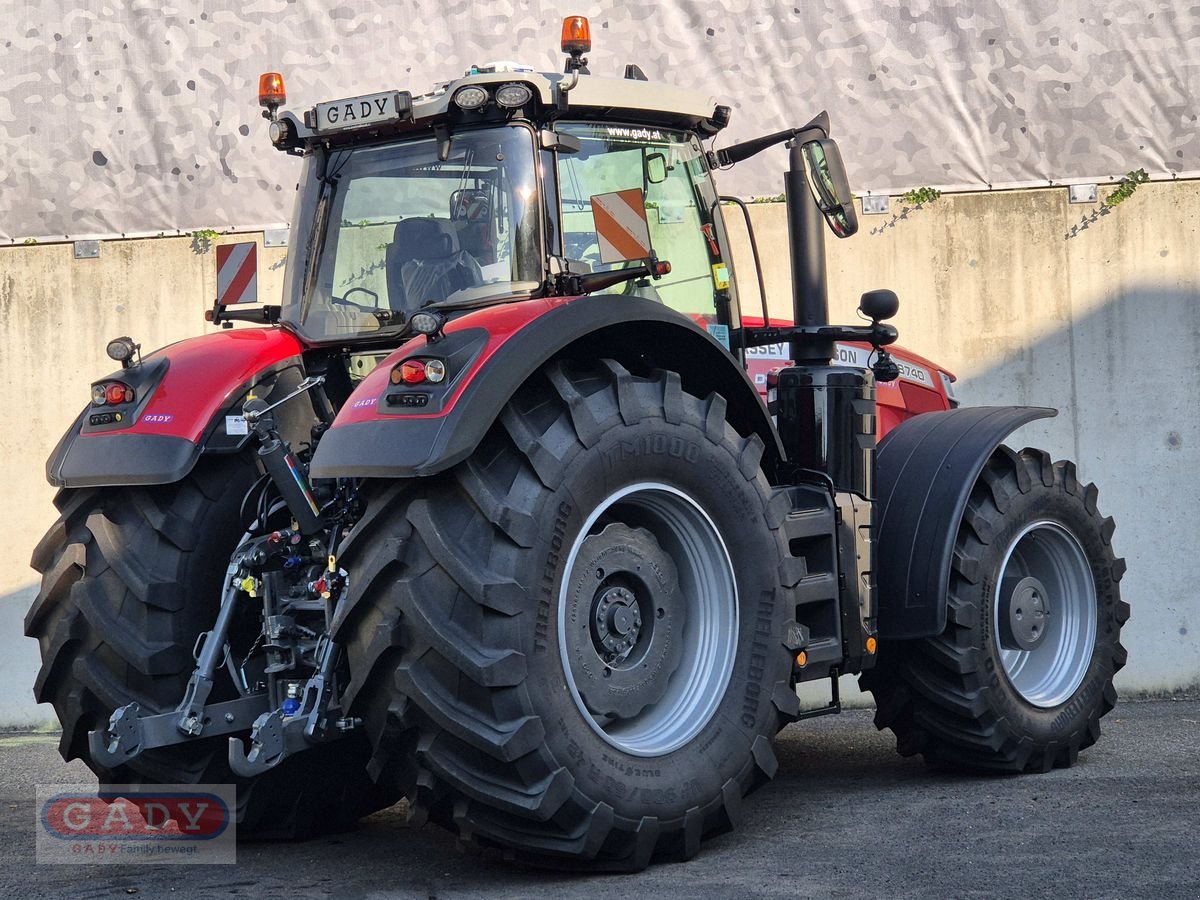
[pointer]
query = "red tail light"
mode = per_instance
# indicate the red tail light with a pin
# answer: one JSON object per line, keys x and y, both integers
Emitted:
{"x": 111, "y": 394}
{"x": 118, "y": 393}
{"x": 411, "y": 371}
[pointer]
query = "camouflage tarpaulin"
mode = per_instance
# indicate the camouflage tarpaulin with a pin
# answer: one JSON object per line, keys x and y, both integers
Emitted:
{"x": 140, "y": 117}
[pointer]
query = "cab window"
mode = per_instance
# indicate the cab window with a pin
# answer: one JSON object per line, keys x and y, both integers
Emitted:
{"x": 667, "y": 166}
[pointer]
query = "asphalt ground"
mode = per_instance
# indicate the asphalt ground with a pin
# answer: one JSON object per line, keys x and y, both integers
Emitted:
{"x": 845, "y": 817}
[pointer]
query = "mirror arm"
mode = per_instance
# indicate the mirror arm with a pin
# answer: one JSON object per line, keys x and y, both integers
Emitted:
{"x": 817, "y": 128}
{"x": 598, "y": 281}
{"x": 225, "y": 315}
{"x": 572, "y": 285}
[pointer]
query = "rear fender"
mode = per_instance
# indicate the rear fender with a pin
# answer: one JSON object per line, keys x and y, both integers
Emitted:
{"x": 490, "y": 353}
{"x": 184, "y": 393}
{"x": 926, "y": 468}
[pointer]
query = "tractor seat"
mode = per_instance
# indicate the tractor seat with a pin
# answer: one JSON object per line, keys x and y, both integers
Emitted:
{"x": 425, "y": 264}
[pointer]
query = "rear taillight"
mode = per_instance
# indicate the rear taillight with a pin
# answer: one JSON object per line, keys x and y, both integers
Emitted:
{"x": 411, "y": 371}
{"x": 419, "y": 371}
{"x": 111, "y": 393}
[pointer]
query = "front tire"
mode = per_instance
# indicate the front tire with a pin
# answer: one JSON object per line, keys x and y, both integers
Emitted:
{"x": 570, "y": 648}
{"x": 1023, "y": 672}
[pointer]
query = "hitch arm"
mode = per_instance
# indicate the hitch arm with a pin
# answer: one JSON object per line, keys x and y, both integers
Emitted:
{"x": 275, "y": 737}
{"x": 130, "y": 734}
{"x": 190, "y": 715}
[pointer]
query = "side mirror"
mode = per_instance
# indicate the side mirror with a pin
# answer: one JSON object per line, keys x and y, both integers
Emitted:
{"x": 830, "y": 187}
{"x": 656, "y": 168}
{"x": 879, "y": 304}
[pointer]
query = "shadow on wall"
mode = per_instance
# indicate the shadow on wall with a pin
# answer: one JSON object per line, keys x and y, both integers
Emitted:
{"x": 1125, "y": 379}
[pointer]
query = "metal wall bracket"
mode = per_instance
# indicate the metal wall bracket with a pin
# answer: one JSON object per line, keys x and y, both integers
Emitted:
{"x": 876, "y": 204}
{"x": 87, "y": 249}
{"x": 275, "y": 237}
{"x": 1081, "y": 193}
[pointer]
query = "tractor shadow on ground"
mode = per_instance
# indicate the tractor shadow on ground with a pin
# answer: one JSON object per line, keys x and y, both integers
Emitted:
{"x": 825, "y": 767}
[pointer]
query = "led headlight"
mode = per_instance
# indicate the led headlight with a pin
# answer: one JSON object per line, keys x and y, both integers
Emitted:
{"x": 426, "y": 323}
{"x": 121, "y": 349}
{"x": 470, "y": 97}
{"x": 514, "y": 95}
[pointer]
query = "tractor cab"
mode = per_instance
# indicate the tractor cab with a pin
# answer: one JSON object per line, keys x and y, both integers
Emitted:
{"x": 503, "y": 185}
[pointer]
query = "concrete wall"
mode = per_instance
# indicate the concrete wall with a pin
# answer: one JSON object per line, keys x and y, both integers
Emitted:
{"x": 1032, "y": 300}
{"x": 1103, "y": 323}
{"x": 57, "y": 314}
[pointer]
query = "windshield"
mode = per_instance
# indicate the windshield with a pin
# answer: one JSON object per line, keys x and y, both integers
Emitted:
{"x": 391, "y": 229}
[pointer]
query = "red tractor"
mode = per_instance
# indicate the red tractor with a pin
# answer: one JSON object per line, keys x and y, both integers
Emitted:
{"x": 489, "y": 514}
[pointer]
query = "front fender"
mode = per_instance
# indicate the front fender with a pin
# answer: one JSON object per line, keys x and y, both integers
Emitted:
{"x": 184, "y": 392}
{"x": 925, "y": 470}
{"x": 497, "y": 349}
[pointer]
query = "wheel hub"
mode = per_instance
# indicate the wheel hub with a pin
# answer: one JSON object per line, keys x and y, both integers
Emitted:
{"x": 1024, "y": 614}
{"x": 616, "y": 623}
{"x": 625, "y": 620}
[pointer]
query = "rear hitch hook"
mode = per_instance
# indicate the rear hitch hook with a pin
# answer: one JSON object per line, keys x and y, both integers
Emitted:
{"x": 267, "y": 747}
{"x": 121, "y": 741}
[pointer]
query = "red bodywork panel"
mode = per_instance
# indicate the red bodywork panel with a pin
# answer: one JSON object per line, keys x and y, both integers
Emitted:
{"x": 917, "y": 390}
{"x": 501, "y": 323}
{"x": 204, "y": 371}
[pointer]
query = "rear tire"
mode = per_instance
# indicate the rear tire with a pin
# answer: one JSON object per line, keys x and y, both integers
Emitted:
{"x": 130, "y": 577}
{"x": 476, "y": 662}
{"x": 1023, "y": 673}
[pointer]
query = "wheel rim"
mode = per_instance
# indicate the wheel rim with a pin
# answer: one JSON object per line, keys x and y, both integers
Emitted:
{"x": 648, "y": 619}
{"x": 1044, "y": 614}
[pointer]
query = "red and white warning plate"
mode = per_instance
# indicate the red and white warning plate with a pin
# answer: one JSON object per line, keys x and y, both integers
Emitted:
{"x": 621, "y": 226}
{"x": 237, "y": 273}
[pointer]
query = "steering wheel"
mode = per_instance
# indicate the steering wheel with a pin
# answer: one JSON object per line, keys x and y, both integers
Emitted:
{"x": 591, "y": 255}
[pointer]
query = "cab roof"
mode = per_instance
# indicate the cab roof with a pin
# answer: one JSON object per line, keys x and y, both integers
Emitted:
{"x": 554, "y": 96}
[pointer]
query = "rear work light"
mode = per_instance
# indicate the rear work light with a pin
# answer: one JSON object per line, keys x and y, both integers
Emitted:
{"x": 470, "y": 97}
{"x": 512, "y": 96}
{"x": 122, "y": 349}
